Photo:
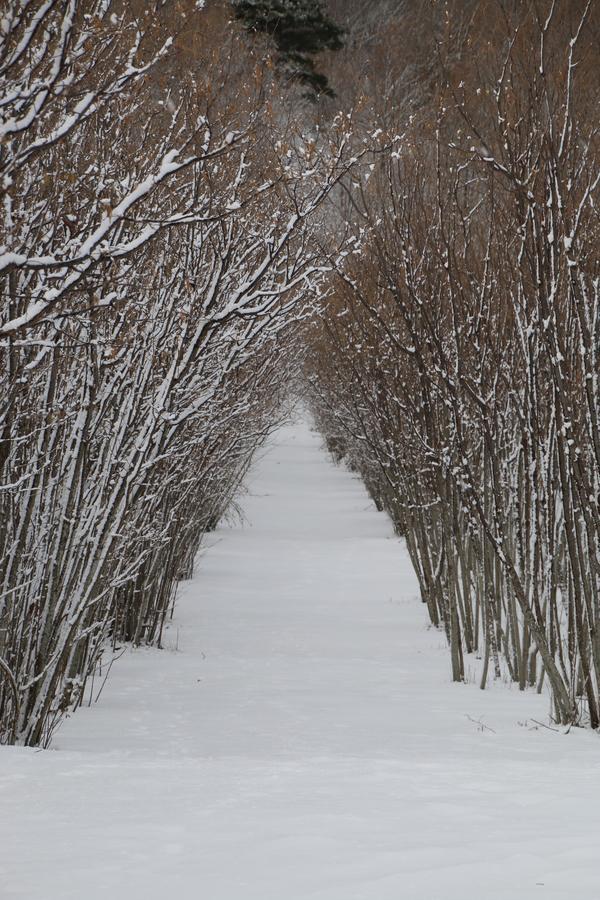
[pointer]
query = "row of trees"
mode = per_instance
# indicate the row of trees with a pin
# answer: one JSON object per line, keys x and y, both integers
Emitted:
{"x": 163, "y": 235}
{"x": 459, "y": 368}
{"x": 156, "y": 255}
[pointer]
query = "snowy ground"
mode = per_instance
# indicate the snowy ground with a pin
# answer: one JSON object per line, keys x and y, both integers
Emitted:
{"x": 300, "y": 738}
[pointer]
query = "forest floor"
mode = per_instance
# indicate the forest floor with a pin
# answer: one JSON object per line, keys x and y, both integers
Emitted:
{"x": 299, "y": 737}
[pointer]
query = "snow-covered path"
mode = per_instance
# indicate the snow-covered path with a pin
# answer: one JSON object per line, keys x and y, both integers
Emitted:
{"x": 299, "y": 738}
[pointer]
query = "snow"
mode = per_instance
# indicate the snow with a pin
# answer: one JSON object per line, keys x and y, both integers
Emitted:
{"x": 299, "y": 738}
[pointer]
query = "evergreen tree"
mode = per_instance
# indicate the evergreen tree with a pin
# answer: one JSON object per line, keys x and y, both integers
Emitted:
{"x": 300, "y": 29}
